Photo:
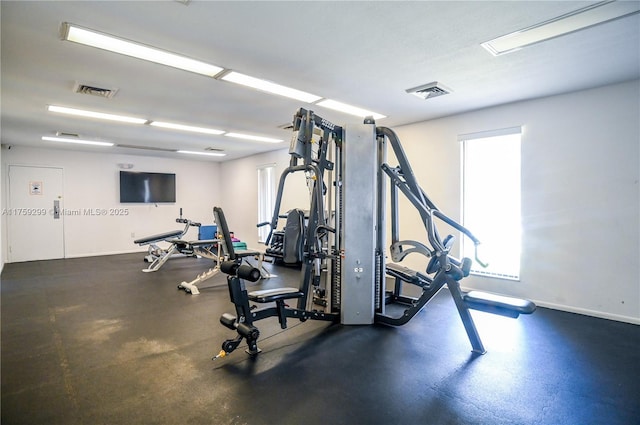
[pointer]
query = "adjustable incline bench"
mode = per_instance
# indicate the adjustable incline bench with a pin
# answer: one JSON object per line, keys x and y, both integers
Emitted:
{"x": 224, "y": 251}
{"x": 157, "y": 256}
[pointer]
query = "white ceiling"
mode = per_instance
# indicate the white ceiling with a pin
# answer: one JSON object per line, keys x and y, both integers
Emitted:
{"x": 362, "y": 53}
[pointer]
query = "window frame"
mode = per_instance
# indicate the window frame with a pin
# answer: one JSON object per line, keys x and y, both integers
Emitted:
{"x": 266, "y": 197}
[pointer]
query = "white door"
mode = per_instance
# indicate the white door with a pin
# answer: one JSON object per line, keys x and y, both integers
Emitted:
{"x": 34, "y": 215}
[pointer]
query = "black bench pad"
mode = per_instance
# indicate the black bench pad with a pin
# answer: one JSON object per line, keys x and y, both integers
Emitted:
{"x": 268, "y": 295}
{"x": 407, "y": 275}
{"x": 499, "y": 304}
{"x": 159, "y": 237}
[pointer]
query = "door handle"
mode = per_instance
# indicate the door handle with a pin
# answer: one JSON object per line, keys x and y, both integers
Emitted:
{"x": 56, "y": 209}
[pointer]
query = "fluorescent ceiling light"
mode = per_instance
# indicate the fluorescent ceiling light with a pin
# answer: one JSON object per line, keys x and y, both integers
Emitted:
{"x": 203, "y": 153}
{"x": 254, "y": 138}
{"x": 124, "y": 47}
{"x": 186, "y": 127}
{"x": 348, "y": 109}
{"x": 580, "y": 19}
{"x": 78, "y": 141}
{"x": 256, "y": 83}
{"x": 92, "y": 114}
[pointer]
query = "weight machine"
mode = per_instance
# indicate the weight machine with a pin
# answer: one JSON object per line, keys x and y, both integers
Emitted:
{"x": 344, "y": 267}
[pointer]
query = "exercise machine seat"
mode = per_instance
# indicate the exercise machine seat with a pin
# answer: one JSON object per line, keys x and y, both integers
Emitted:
{"x": 268, "y": 295}
{"x": 407, "y": 275}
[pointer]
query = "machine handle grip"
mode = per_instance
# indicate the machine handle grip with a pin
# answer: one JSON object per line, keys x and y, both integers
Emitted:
{"x": 484, "y": 265}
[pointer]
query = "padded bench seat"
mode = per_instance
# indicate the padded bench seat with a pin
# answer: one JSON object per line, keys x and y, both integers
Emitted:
{"x": 407, "y": 275}
{"x": 159, "y": 237}
{"x": 268, "y": 295}
{"x": 199, "y": 242}
{"x": 498, "y": 304}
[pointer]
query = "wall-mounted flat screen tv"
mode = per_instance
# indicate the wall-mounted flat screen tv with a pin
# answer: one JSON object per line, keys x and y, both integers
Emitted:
{"x": 151, "y": 188}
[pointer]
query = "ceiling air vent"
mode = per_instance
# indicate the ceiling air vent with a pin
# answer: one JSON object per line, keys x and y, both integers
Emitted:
{"x": 214, "y": 149}
{"x": 287, "y": 126}
{"x": 428, "y": 91}
{"x": 94, "y": 91}
{"x": 65, "y": 134}
{"x": 147, "y": 148}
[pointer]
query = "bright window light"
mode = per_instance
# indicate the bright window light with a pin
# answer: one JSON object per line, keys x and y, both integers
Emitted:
{"x": 93, "y": 114}
{"x": 491, "y": 201}
{"x": 269, "y": 87}
{"x": 117, "y": 45}
{"x": 266, "y": 198}
{"x": 254, "y": 138}
{"x": 203, "y": 153}
{"x": 78, "y": 141}
{"x": 586, "y": 17}
{"x": 348, "y": 109}
{"x": 186, "y": 127}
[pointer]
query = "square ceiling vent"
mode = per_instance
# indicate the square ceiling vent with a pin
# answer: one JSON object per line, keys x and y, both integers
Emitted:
{"x": 430, "y": 90}
{"x": 94, "y": 90}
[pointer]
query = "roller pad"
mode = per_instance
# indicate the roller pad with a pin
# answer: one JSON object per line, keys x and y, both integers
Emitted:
{"x": 498, "y": 304}
{"x": 228, "y": 320}
{"x": 249, "y": 273}
{"x": 229, "y": 267}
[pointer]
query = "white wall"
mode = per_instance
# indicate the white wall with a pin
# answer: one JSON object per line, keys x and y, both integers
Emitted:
{"x": 91, "y": 181}
{"x": 2, "y": 219}
{"x": 580, "y": 195}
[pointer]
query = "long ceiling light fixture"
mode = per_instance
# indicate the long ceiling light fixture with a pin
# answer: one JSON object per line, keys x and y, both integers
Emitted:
{"x": 202, "y": 153}
{"x": 269, "y": 87}
{"x": 348, "y": 109}
{"x": 254, "y": 138}
{"x": 78, "y": 141}
{"x": 183, "y": 127}
{"x": 586, "y": 17}
{"x": 108, "y": 42}
{"x": 159, "y": 124}
{"x": 93, "y": 114}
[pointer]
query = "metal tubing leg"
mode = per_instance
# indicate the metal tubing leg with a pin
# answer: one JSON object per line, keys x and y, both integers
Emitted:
{"x": 465, "y": 315}
{"x": 155, "y": 266}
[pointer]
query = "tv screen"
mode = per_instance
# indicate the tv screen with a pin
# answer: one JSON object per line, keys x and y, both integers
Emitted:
{"x": 147, "y": 187}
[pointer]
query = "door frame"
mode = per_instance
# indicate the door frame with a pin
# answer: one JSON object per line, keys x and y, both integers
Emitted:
{"x": 8, "y": 199}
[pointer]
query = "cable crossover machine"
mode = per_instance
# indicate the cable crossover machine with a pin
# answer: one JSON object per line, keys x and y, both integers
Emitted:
{"x": 344, "y": 267}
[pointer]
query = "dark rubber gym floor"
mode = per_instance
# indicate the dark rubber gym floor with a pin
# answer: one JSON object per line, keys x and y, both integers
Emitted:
{"x": 96, "y": 341}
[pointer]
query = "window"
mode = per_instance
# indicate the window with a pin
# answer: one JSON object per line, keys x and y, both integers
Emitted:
{"x": 266, "y": 198}
{"x": 491, "y": 200}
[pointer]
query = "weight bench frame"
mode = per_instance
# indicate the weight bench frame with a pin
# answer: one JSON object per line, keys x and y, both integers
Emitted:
{"x": 157, "y": 256}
